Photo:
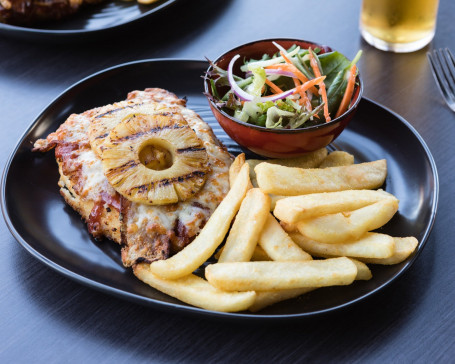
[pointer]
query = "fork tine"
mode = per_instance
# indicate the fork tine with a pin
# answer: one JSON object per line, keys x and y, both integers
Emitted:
{"x": 450, "y": 63}
{"x": 440, "y": 76}
{"x": 444, "y": 61}
{"x": 441, "y": 67}
{"x": 436, "y": 70}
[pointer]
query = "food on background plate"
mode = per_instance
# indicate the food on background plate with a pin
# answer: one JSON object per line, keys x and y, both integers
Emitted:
{"x": 31, "y": 12}
{"x": 28, "y": 12}
{"x": 291, "y": 89}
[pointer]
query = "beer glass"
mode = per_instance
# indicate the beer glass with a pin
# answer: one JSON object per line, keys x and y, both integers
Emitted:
{"x": 398, "y": 25}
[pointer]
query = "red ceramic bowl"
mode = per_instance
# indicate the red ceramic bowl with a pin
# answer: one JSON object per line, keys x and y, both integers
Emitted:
{"x": 278, "y": 143}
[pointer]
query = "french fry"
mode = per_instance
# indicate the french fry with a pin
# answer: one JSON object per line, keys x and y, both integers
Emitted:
{"x": 267, "y": 298}
{"x": 308, "y": 160}
{"x": 295, "y": 208}
{"x": 196, "y": 291}
{"x": 348, "y": 226}
{"x": 336, "y": 159}
{"x": 404, "y": 247}
{"x": 211, "y": 235}
{"x": 363, "y": 272}
{"x": 288, "y": 181}
{"x": 234, "y": 170}
{"x": 289, "y": 228}
{"x": 253, "y": 180}
{"x": 235, "y": 167}
{"x": 371, "y": 245}
{"x": 277, "y": 244}
{"x": 263, "y": 276}
{"x": 247, "y": 227}
{"x": 274, "y": 199}
{"x": 258, "y": 255}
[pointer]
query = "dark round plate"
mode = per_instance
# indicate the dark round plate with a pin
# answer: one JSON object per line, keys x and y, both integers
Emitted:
{"x": 52, "y": 232}
{"x": 90, "y": 22}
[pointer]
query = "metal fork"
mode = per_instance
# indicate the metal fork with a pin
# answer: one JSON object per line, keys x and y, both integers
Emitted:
{"x": 442, "y": 65}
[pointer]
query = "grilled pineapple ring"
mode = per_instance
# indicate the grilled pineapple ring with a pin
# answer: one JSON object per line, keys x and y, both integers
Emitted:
{"x": 154, "y": 160}
{"x": 111, "y": 115}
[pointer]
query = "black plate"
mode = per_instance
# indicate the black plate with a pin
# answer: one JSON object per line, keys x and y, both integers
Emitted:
{"x": 52, "y": 232}
{"x": 90, "y": 22}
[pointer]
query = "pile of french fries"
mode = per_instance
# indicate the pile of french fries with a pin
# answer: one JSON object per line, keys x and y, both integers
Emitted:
{"x": 297, "y": 225}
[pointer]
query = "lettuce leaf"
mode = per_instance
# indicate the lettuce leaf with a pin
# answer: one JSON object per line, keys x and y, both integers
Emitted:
{"x": 275, "y": 117}
{"x": 255, "y": 88}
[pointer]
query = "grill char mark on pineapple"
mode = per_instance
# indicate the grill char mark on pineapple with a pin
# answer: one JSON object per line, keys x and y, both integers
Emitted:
{"x": 102, "y": 136}
{"x": 190, "y": 149}
{"x": 122, "y": 169}
{"x": 113, "y": 111}
{"x": 195, "y": 174}
{"x": 168, "y": 181}
{"x": 145, "y": 132}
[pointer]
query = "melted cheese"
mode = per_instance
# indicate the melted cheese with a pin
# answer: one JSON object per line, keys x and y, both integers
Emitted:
{"x": 92, "y": 172}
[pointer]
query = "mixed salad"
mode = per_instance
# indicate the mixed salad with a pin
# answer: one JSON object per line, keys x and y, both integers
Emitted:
{"x": 293, "y": 88}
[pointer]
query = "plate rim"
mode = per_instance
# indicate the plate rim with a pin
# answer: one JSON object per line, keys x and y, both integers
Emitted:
{"x": 180, "y": 308}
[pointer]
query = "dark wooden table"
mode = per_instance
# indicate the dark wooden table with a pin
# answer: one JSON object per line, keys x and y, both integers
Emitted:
{"x": 45, "y": 317}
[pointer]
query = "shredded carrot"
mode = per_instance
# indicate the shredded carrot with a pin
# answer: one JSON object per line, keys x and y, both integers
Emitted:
{"x": 291, "y": 68}
{"x": 286, "y": 59}
{"x": 348, "y": 93}
{"x": 274, "y": 87}
{"x": 278, "y": 66}
{"x": 303, "y": 96}
{"x": 306, "y": 86}
{"x": 297, "y": 84}
{"x": 322, "y": 90}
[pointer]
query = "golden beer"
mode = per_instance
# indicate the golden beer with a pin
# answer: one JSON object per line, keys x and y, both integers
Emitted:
{"x": 398, "y": 25}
